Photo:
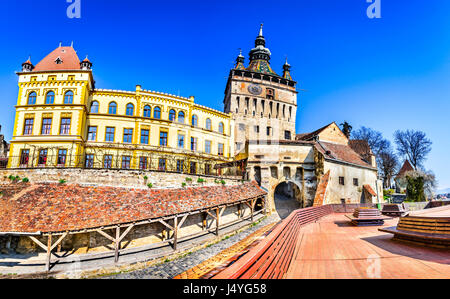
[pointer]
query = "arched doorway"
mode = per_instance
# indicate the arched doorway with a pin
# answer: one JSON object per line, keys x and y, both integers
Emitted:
{"x": 287, "y": 198}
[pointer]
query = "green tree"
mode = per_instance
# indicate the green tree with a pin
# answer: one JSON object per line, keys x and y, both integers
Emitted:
{"x": 346, "y": 129}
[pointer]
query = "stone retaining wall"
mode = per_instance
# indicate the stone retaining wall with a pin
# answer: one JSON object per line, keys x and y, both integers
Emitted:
{"x": 113, "y": 177}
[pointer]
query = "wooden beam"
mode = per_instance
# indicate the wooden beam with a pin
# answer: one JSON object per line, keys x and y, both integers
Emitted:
{"x": 204, "y": 222}
{"x": 126, "y": 232}
{"x": 59, "y": 241}
{"x": 217, "y": 221}
{"x": 49, "y": 251}
{"x": 117, "y": 245}
{"x": 212, "y": 216}
{"x": 38, "y": 243}
{"x": 252, "y": 208}
{"x": 175, "y": 233}
{"x": 182, "y": 221}
{"x": 165, "y": 224}
{"x": 105, "y": 235}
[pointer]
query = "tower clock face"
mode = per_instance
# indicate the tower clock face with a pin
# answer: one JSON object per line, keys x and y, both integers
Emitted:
{"x": 254, "y": 89}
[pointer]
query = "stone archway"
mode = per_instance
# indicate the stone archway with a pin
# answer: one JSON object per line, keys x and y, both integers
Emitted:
{"x": 287, "y": 197}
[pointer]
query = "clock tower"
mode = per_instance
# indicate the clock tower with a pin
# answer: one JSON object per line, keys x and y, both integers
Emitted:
{"x": 263, "y": 104}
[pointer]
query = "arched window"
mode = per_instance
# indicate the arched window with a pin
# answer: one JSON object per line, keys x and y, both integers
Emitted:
{"x": 32, "y": 98}
{"x": 68, "y": 97}
{"x": 194, "y": 120}
{"x": 130, "y": 110}
{"x": 208, "y": 124}
{"x": 157, "y": 112}
{"x": 94, "y": 107}
{"x": 172, "y": 115}
{"x": 147, "y": 111}
{"x": 221, "y": 127}
{"x": 112, "y": 108}
{"x": 50, "y": 98}
{"x": 181, "y": 117}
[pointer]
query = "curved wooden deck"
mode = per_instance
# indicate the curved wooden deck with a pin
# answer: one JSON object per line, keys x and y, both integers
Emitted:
{"x": 333, "y": 248}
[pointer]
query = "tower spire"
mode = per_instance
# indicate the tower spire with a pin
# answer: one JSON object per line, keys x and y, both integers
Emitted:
{"x": 240, "y": 61}
{"x": 287, "y": 70}
{"x": 261, "y": 30}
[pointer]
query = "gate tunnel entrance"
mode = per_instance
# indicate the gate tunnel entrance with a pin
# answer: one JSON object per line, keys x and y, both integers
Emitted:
{"x": 287, "y": 198}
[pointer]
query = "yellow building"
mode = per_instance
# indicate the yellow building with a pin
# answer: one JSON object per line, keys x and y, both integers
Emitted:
{"x": 63, "y": 121}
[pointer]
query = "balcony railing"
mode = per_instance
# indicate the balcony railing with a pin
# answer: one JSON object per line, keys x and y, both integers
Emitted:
{"x": 161, "y": 162}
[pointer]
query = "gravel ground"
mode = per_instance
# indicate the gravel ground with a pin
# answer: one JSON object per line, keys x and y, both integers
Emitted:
{"x": 172, "y": 268}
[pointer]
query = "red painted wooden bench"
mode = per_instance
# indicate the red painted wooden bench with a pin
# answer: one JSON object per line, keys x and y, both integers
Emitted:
{"x": 271, "y": 258}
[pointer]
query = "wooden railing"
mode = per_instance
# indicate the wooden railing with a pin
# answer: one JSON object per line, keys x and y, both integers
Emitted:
{"x": 270, "y": 259}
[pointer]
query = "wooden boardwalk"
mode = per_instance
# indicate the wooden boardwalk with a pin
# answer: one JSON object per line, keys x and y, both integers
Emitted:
{"x": 332, "y": 248}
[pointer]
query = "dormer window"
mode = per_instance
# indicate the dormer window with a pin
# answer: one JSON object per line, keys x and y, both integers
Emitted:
{"x": 58, "y": 60}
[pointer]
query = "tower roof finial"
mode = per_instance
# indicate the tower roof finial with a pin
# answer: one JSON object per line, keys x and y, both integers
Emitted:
{"x": 261, "y": 30}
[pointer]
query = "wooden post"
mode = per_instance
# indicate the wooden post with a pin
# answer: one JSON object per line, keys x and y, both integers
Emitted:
{"x": 252, "y": 207}
{"x": 217, "y": 221}
{"x": 49, "y": 251}
{"x": 116, "y": 245}
{"x": 239, "y": 210}
{"x": 175, "y": 232}
{"x": 204, "y": 223}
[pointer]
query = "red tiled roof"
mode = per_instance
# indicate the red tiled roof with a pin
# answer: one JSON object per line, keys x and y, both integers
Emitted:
{"x": 69, "y": 57}
{"x": 370, "y": 190}
{"x": 56, "y": 208}
{"x": 405, "y": 168}
{"x": 340, "y": 152}
{"x": 361, "y": 147}
{"x": 321, "y": 189}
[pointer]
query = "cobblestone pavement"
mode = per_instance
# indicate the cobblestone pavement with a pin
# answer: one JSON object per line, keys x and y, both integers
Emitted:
{"x": 170, "y": 269}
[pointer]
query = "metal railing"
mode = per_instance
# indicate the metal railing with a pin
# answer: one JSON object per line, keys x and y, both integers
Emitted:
{"x": 150, "y": 162}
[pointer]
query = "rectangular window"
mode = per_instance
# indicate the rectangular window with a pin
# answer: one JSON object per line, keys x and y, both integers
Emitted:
{"x": 42, "y": 157}
{"x": 24, "y": 157}
{"x": 127, "y": 135}
{"x": 269, "y": 131}
{"x": 193, "y": 168}
{"x": 220, "y": 149}
{"x": 355, "y": 182}
{"x": 126, "y": 162}
{"x": 89, "y": 161}
{"x": 207, "y": 169}
{"x": 107, "y": 161}
{"x": 162, "y": 164}
{"x": 270, "y": 93}
{"x": 143, "y": 163}
{"x": 238, "y": 146}
{"x": 109, "y": 136}
{"x": 274, "y": 172}
{"x": 62, "y": 154}
{"x": 65, "y": 126}
{"x": 180, "y": 165}
{"x": 163, "y": 138}
{"x": 28, "y": 127}
{"x": 287, "y": 135}
{"x": 46, "y": 126}
{"x": 341, "y": 180}
{"x": 180, "y": 141}
{"x": 92, "y": 134}
{"x": 241, "y": 127}
{"x": 256, "y": 129}
{"x": 144, "y": 136}
{"x": 208, "y": 147}
{"x": 193, "y": 144}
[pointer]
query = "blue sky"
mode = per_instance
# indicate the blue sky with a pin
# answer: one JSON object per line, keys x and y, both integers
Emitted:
{"x": 387, "y": 74}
